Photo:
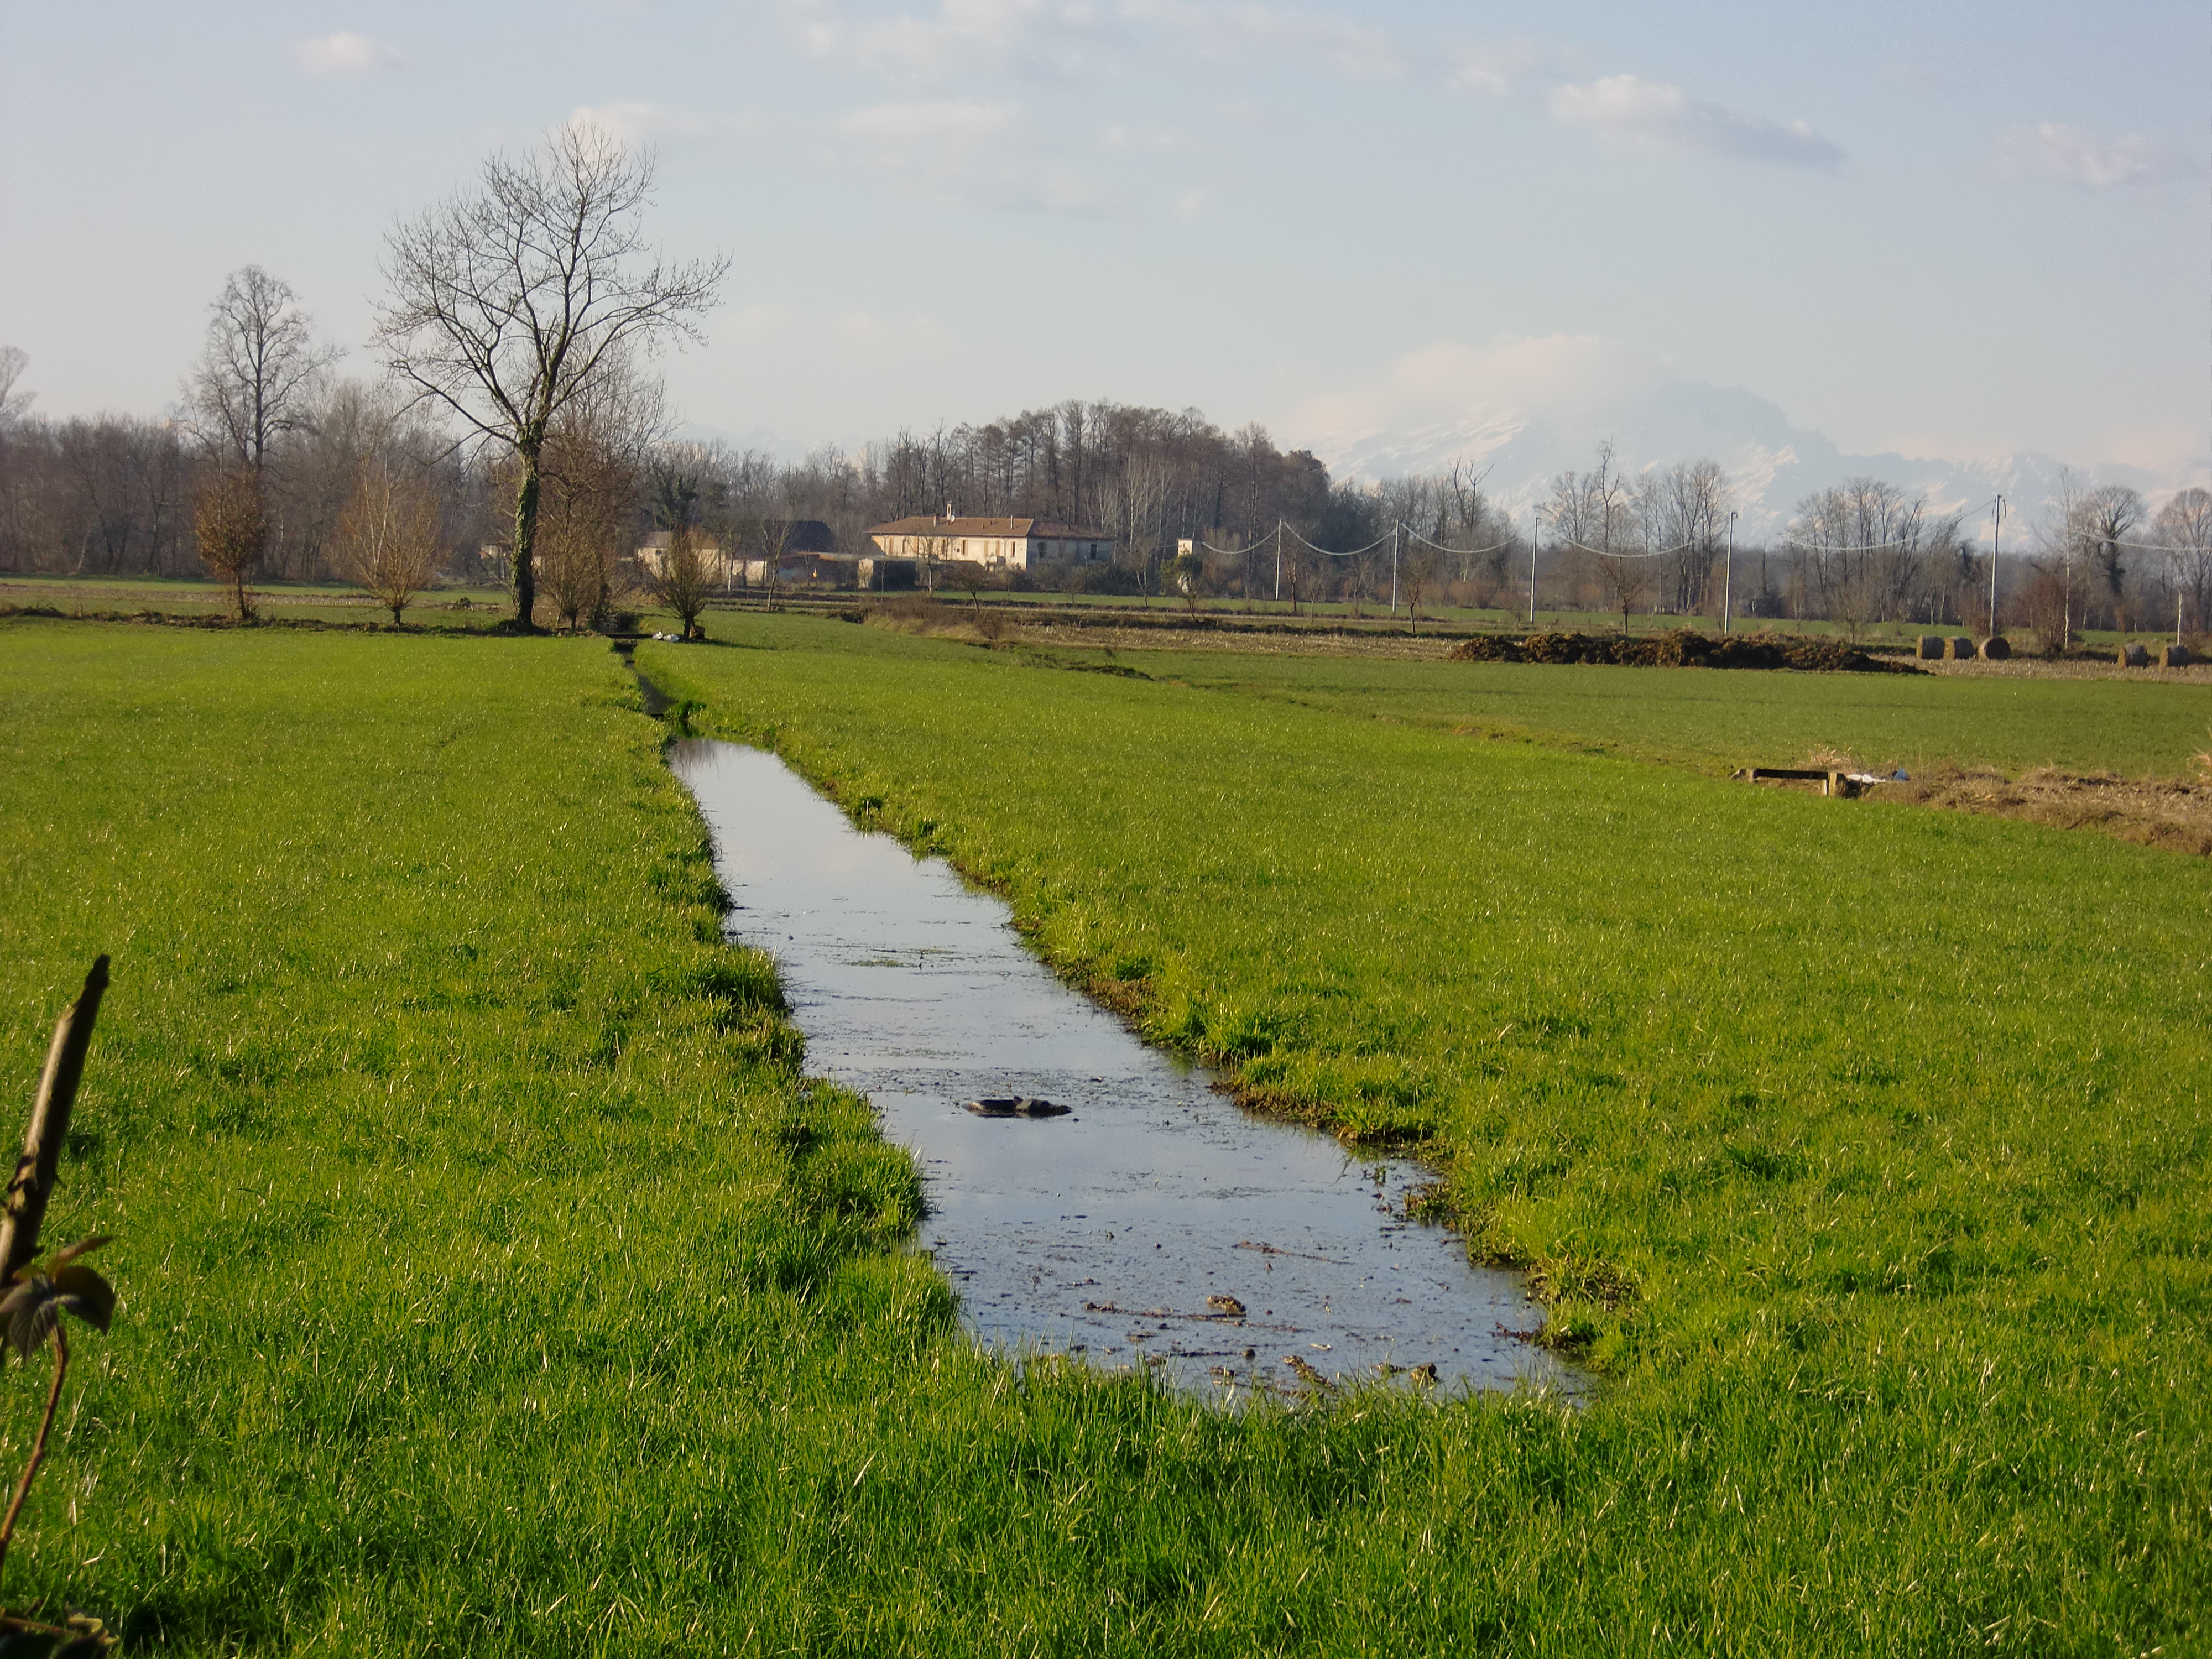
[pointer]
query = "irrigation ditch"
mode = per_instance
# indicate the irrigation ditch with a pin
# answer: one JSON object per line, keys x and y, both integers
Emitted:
{"x": 1155, "y": 1225}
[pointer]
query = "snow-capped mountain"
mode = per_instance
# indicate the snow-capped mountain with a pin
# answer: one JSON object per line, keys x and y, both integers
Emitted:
{"x": 1772, "y": 465}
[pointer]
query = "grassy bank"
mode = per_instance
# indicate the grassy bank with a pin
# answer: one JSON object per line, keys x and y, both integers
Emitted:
{"x": 1860, "y": 1145}
{"x": 494, "y": 1284}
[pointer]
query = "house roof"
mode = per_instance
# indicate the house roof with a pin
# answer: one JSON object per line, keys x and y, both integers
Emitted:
{"x": 800, "y": 535}
{"x": 979, "y": 526}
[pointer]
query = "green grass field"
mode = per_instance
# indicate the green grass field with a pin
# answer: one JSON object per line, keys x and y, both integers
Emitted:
{"x": 495, "y": 1283}
{"x": 1860, "y": 1146}
{"x": 1718, "y": 721}
{"x": 191, "y": 598}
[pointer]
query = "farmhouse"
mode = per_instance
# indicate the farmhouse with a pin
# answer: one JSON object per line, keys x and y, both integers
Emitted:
{"x": 995, "y": 544}
{"x": 655, "y": 549}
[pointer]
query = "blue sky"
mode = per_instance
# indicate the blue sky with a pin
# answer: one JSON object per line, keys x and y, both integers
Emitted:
{"x": 1951, "y": 229}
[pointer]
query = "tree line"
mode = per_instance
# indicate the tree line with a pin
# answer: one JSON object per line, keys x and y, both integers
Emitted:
{"x": 515, "y": 431}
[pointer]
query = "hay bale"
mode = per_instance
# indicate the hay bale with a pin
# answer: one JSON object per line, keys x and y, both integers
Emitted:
{"x": 1996, "y": 650}
{"x": 1930, "y": 648}
{"x": 2134, "y": 656}
{"x": 2175, "y": 656}
{"x": 1959, "y": 649}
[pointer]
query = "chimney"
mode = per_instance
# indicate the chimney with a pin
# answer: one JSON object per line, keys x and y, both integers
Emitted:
{"x": 948, "y": 512}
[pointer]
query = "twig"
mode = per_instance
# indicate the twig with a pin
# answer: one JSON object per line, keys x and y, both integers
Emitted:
{"x": 38, "y": 1446}
{"x": 35, "y": 1171}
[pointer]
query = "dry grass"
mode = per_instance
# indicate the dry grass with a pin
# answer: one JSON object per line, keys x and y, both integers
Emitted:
{"x": 2044, "y": 668}
{"x": 1400, "y": 646}
{"x": 924, "y": 615}
{"x": 2150, "y": 812}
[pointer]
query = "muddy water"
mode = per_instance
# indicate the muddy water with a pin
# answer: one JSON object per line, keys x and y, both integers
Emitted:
{"x": 1104, "y": 1233}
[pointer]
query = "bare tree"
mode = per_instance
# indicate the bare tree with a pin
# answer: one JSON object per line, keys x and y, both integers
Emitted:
{"x": 14, "y": 360}
{"x": 1692, "y": 501}
{"x": 2106, "y": 516}
{"x": 1592, "y": 512}
{"x": 509, "y": 304}
{"x": 683, "y": 581}
{"x": 593, "y": 467}
{"x": 1864, "y": 544}
{"x": 257, "y": 372}
{"x": 932, "y": 550}
{"x": 972, "y": 577}
{"x": 2183, "y": 529}
{"x": 391, "y": 533}
{"x": 772, "y": 535}
{"x": 232, "y": 527}
{"x": 1147, "y": 482}
{"x": 1420, "y": 569}
{"x": 2079, "y": 537}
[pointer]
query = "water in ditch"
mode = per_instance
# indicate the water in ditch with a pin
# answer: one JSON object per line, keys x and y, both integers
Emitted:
{"x": 1154, "y": 1224}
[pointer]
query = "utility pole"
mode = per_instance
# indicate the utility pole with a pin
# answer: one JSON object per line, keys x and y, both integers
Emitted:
{"x": 1393, "y": 566}
{"x": 1535, "y": 517}
{"x": 1727, "y": 576}
{"x": 1279, "y": 562}
{"x": 1996, "y": 529}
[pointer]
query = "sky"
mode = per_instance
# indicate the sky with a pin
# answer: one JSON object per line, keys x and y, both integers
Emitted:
{"x": 1950, "y": 229}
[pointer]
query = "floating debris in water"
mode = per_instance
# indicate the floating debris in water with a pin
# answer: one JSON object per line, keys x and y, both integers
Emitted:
{"x": 1015, "y": 1106}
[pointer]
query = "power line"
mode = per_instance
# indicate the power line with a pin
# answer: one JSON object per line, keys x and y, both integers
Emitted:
{"x": 1414, "y": 535}
{"x": 1650, "y": 553}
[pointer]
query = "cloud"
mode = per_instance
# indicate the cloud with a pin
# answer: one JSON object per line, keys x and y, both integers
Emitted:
{"x": 345, "y": 53}
{"x": 856, "y": 332}
{"x": 1915, "y": 74}
{"x": 982, "y": 154}
{"x": 636, "y": 123}
{"x": 943, "y": 123}
{"x": 1627, "y": 109}
{"x": 1124, "y": 138}
{"x": 1247, "y": 28}
{"x": 962, "y": 38}
{"x": 1462, "y": 401}
{"x": 1488, "y": 71}
{"x": 2060, "y": 155}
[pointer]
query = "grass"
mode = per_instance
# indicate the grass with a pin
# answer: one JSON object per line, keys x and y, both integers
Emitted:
{"x": 495, "y": 1283}
{"x": 193, "y": 599}
{"x": 1719, "y": 720}
{"x": 1861, "y": 1147}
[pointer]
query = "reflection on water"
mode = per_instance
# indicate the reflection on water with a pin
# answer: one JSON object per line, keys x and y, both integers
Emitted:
{"x": 1106, "y": 1232}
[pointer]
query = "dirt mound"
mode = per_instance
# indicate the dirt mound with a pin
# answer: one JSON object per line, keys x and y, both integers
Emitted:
{"x": 1681, "y": 649}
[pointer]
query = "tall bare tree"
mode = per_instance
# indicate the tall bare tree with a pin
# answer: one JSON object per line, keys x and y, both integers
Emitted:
{"x": 257, "y": 372}
{"x": 14, "y": 360}
{"x": 1865, "y": 545}
{"x": 1692, "y": 502}
{"x": 1592, "y": 511}
{"x": 2183, "y": 529}
{"x": 508, "y": 303}
{"x": 2079, "y": 538}
{"x": 2106, "y": 517}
